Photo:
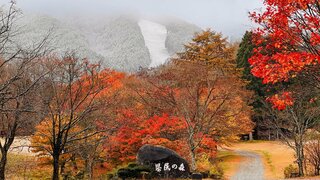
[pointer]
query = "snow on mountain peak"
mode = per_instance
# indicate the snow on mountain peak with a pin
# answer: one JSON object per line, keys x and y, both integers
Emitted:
{"x": 155, "y": 36}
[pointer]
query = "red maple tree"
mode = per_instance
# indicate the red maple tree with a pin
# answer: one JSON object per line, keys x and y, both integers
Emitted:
{"x": 287, "y": 44}
{"x": 135, "y": 131}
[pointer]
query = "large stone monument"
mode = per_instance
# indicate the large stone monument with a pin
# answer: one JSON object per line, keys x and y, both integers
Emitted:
{"x": 163, "y": 162}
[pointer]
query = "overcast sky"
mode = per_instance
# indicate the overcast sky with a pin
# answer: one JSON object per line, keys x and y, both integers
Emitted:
{"x": 227, "y": 16}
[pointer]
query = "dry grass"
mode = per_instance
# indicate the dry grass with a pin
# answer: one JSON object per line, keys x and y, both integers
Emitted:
{"x": 22, "y": 166}
{"x": 276, "y": 156}
{"x": 306, "y": 178}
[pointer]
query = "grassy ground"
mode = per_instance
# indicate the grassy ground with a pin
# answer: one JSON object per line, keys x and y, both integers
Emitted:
{"x": 276, "y": 156}
{"x": 22, "y": 166}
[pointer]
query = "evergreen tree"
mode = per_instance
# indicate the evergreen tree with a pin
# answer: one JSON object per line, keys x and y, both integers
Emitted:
{"x": 254, "y": 84}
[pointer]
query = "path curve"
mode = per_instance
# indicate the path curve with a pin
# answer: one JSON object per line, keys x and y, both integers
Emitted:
{"x": 250, "y": 169}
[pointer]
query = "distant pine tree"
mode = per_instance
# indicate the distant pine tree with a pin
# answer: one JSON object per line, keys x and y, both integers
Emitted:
{"x": 245, "y": 51}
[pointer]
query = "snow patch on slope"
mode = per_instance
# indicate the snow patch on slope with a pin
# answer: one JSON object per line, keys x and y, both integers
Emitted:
{"x": 155, "y": 39}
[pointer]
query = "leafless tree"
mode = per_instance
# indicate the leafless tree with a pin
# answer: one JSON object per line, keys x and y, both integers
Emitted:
{"x": 16, "y": 81}
{"x": 312, "y": 155}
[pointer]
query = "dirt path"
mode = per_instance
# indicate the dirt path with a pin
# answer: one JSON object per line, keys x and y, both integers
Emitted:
{"x": 275, "y": 156}
{"x": 250, "y": 169}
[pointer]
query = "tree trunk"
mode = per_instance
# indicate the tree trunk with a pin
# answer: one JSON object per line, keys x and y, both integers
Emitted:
{"x": 55, "y": 174}
{"x": 62, "y": 166}
{"x": 269, "y": 134}
{"x": 300, "y": 158}
{"x": 3, "y": 163}
{"x": 91, "y": 171}
{"x": 193, "y": 160}
{"x": 89, "y": 167}
{"x": 300, "y": 166}
{"x": 192, "y": 149}
{"x": 192, "y": 152}
{"x": 5, "y": 148}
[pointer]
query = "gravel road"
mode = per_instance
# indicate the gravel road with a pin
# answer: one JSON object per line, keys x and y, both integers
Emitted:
{"x": 250, "y": 169}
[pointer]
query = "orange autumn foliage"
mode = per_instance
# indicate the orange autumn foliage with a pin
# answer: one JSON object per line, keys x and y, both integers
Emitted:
{"x": 71, "y": 126}
{"x": 41, "y": 141}
{"x": 71, "y": 160}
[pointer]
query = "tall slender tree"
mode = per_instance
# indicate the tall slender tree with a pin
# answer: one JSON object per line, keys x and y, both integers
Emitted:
{"x": 254, "y": 84}
{"x": 19, "y": 76}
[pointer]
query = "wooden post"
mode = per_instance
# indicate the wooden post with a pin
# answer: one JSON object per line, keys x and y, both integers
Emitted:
{"x": 250, "y": 136}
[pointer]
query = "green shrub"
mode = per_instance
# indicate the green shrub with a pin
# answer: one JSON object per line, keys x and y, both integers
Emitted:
{"x": 133, "y": 170}
{"x": 109, "y": 176}
{"x": 291, "y": 171}
{"x": 209, "y": 168}
{"x": 216, "y": 172}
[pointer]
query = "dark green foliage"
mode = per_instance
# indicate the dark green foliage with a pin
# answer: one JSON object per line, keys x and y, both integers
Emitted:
{"x": 244, "y": 53}
{"x": 255, "y": 84}
{"x": 109, "y": 176}
{"x": 264, "y": 127}
{"x": 133, "y": 170}
{"x": 260, "y": 90}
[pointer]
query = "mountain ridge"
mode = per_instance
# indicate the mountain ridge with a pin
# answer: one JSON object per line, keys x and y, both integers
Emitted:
{"x": 116, "y": 41}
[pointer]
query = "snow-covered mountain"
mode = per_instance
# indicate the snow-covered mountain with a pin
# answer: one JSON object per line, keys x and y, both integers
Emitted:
{"x": 124, "y": 43}
{"x": 155, "y": 36}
